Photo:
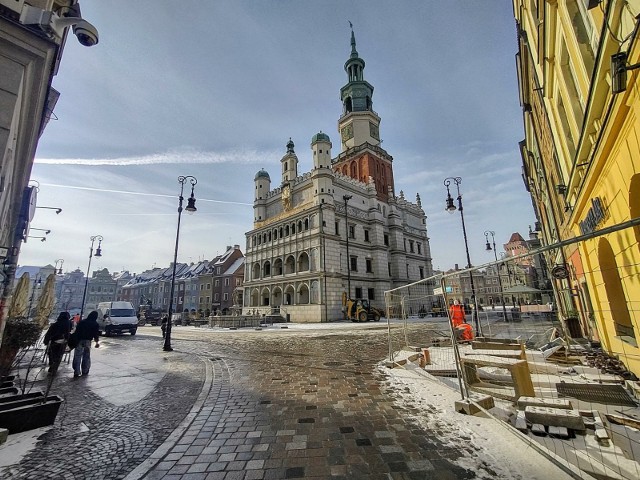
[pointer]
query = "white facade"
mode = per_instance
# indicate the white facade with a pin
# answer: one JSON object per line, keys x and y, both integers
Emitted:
{"x": 296, "y": 253}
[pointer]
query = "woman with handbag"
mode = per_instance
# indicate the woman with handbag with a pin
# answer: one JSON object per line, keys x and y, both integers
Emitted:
{"x": 56, "y": 340}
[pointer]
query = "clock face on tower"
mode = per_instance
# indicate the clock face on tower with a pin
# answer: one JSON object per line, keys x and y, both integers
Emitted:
{"x": 347, "y": 132}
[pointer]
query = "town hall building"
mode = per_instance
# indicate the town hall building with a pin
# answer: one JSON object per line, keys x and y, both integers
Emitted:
{"x": 339, "y": 230}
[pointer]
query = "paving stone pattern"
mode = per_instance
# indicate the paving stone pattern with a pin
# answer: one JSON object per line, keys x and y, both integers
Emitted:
{"x": 298, "y": 406}
{"x": 279, "y": 406}
{"x": 93, "y": 439}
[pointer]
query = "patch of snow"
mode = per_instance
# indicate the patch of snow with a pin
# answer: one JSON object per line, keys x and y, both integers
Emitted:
{"x": 18, "y": 445}
{"x": 487, "y": 447}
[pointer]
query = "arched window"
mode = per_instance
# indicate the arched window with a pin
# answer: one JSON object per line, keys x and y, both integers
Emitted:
{"x": 286, "y": 230}
{"x": 277, "y": 266}
{"x": 306, "y": 224}
{"x": 303, "y": 262}
{"x": 293, "y": 228}
{"x": 290, "y": 265}
{"x": 299, "y": 226}
{"x": 280, "y": 234}
{"x": 255, "y": 271}
{"x": 618, "y": 304}
{"x": 267, "y": 269}
{"x": 303, "y": 294}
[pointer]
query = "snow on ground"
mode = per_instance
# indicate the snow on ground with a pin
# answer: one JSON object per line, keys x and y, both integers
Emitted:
{"x": 18, "y": 445}
{"x": 488, "y": 447}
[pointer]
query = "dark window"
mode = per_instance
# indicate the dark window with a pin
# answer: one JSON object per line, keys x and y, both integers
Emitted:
{"x": 354, "y": 264}
{"x": 411, "y": 246}
{"x": 371, "y": 293}
{"x": 337, "y": 228}
{"x": 419, "y": 248}
{"x": 389, "y": 266}
{"x": 366, "y": 235}
{"x": 352, "y": 231}
{"x": 421, "y": 273}
{"x": 386, "y": 239}
{"x": 369, "y": 265}
{"x": 358, "y": 292}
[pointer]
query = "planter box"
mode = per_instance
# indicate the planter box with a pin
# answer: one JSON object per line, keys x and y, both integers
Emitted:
{"x": 27, "y": 414}
{"x": 4, "y": 399}
{"x": 8, "y": 391}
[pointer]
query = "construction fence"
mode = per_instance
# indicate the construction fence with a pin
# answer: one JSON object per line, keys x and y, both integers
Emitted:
{"x": 544, "y": 358}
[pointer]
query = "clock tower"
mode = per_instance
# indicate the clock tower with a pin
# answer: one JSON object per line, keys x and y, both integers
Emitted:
{"x": 362, "y": 157}
{"x": 359, "y": 123}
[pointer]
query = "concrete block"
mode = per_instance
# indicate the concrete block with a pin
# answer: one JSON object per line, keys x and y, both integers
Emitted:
{"x": 524, "y": 402}
{"x": 411, "y": 349}
{"x": 4, "y": 434}
{"x": 555, "y": 416}
{"x": 559, "y": 432}
{"x": 521, "y": 421}
{"x": 538, "y": 429}
{"x": 470, "y": 406}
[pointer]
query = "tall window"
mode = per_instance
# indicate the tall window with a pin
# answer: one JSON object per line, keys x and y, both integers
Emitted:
{"x": 354, "y": 263}
{"x": 386, "y": 239}
{"x": 371, "y": 293}
{"x": 369, "y": 264}
{"x": 366, "y": 235}
{"x": 352, "y": 231}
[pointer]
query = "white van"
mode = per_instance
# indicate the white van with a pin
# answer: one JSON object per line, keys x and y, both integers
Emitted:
{"x": 117, "y": 317}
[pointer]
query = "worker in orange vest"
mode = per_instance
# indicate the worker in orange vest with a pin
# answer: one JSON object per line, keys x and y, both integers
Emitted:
{"x": 456, "y": 313}
{"x": 464, "y": 332}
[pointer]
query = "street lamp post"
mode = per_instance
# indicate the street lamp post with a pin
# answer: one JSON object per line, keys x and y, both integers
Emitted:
{"x": 346, "y": 199}
{"x": 58, "y": 271}
{"x": 511, "y": 283}
{"x": 450, "y": 207}
{"x": 190, "y": 208}
{"x": 495, "y": 254}
{"x": 86, "y": 282}
{"x": 37, "y": 281}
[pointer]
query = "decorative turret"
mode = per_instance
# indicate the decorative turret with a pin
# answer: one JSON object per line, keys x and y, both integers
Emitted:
{"x": 321, "y": 147}
{"x": 263, "y": 185}
{"x": 289, "y": 163}
{"x": 359, "y": 123}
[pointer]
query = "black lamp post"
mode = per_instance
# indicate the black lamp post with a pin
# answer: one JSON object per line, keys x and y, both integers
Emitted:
{"x": 58, "y": 271}
{"x": 450, "y": 207}
{"x": 86, "y": 282}
{"x": 346, "y": 198}
{"x": 190, "y": 208}
{"x": 37, "y": 281}
{"x": 495, "y": 255}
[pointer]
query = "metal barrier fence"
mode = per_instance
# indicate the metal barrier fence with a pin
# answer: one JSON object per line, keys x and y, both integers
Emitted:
{"x": 540, "y": 358}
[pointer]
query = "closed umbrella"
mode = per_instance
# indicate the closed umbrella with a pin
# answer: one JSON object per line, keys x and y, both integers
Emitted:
{"x": 46, "y": 302}
{"x": 18, "y": 306}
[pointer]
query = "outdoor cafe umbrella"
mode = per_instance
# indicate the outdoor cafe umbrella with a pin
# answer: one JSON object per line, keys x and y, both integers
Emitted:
{"x": 46, "y": 302}
{"x": 18, "y": 307}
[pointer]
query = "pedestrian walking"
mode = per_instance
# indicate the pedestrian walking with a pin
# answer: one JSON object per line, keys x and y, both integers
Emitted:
{"x": 86, "y": 331}
{"x": 56, "y": 340}
{"x": 456, "y": 312}
{"x": 163, "y": 326}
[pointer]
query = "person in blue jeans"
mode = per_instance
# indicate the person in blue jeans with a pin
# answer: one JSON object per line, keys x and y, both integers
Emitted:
{"x": 87, "y": 330}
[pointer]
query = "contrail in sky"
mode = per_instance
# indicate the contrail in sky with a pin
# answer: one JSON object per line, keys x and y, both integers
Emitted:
{"x": 186, "y": 156}
{"x": 140, "y": 193}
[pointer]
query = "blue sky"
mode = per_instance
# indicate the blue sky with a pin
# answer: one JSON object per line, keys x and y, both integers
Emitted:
{"x": 215, "y": 89}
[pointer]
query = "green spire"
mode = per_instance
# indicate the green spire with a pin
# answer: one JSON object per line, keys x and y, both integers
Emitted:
{"x": 354, "y": 52}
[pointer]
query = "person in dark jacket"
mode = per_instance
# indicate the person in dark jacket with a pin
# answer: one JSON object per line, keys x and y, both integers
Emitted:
{"x": 87, "y": 330}
{"x": 56, "y": 340}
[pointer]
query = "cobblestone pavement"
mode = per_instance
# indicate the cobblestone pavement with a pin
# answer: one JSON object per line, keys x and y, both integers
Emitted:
{"x": 275, "y": 404}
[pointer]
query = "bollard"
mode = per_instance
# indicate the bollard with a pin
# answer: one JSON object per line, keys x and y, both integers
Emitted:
{"x": 426, "y": 356}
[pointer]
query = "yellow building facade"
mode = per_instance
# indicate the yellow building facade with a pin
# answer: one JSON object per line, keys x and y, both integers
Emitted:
{"x": 580, "y": 92}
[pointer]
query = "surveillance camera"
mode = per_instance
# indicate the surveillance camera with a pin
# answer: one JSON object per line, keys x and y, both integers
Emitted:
{"x": 87, "y": 34}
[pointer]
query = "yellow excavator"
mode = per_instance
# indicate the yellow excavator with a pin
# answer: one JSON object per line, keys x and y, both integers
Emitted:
{"x": 362, "y": 311}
